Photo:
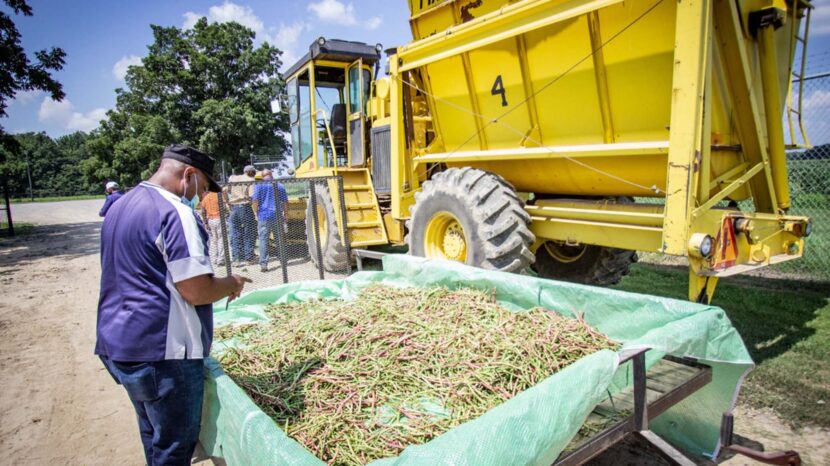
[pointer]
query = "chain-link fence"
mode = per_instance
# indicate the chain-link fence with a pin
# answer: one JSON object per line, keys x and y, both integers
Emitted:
{"x": 279, "y": 231}
{"x": 809, "y": 172}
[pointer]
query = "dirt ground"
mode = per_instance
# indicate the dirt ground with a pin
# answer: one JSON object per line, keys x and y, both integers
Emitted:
{"x": 59, "y": 406}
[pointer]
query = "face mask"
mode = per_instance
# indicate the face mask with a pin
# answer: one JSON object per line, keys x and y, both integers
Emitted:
{"x": 192, "y": 202}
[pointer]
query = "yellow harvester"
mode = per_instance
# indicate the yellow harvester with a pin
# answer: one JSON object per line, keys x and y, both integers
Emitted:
{"x": 559, "y": 135}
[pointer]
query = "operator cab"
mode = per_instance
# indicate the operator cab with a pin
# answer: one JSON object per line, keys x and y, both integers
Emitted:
{"x": 327, "y": 91}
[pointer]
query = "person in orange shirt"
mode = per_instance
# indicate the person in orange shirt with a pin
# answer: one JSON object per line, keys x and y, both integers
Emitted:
{"x": 213, "y": 221}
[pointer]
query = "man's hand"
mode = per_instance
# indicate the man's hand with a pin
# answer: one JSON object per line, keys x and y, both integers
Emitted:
{"x": 207, "y": 289}
{"x": 239, "y": 282}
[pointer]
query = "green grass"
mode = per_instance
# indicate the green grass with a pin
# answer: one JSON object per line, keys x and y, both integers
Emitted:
{"x": 784, "y": 324}
{"x": 19, "y": 229}
{"x": 58, "y": 198}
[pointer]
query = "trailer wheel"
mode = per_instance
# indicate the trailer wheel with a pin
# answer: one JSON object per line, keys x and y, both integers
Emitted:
{"x": 331, "y": 245}
{"x": 471, "y": 216}
{"x": 584, "y": 263}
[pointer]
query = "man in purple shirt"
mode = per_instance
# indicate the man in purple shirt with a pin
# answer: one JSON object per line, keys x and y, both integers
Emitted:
{"x": 113, "y": 194}
{"x": 155, "y": 314}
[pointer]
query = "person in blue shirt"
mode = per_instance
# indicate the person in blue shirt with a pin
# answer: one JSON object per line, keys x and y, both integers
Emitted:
{"x": 113, "y": 194}
{"x": 155, "y": 313}
{"x": 269, "y": 215}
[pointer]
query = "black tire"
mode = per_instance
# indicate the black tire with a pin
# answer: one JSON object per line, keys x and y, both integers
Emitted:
{"x": 589, "y": 264}
{"x": 493, "y": 218}
{"x": 332, "y": 247}
{"x": 597, "y": 265}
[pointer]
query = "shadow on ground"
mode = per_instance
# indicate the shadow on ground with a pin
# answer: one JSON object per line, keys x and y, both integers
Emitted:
{"x": 66, "y": 241}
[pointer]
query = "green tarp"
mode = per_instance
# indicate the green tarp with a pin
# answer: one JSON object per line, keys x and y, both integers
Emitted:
{"x": 533, "y": 427}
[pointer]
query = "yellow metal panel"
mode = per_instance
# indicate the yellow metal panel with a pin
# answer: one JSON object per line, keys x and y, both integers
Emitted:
{"x": 610, "y": 234}
{"x": 646, "y": 215}
{"x": 740, "y": 181}
{"x": 394, "y": 229}
{"x": 639, "y": 67}
{"x": 734, "y": 54}
{"x": 499, "y": 62}
{"x": 430, "y": 17}
{"x": 773, "y": 103}
{"x": 564, "y": 177}
{"x": 397, "y": 142}
{"x": 601, "y": 77}
{"x": 693, "y": 19}
{"x": 457, "y": 125}
{"x": 550, "y": 152}
{"x": 568, "y": 109}
{"x": 505, "y": 23}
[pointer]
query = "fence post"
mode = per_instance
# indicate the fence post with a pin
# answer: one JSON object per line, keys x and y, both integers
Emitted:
{"x": 282, "y": 221}
{"x": 316, "y": 227}
{"x": 223, "y": 225}
{"x": 344, "y": 220}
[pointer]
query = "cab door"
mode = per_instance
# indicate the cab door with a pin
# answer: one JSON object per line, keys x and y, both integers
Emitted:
{"x": 358, "y": 82}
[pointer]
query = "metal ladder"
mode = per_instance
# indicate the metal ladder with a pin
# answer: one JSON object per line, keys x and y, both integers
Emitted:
{"x": 798, "y": 77}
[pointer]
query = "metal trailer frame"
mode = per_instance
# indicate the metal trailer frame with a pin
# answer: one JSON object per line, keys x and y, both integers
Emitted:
{"x": 645, "y": 410}
{"x": 637, "y": 422}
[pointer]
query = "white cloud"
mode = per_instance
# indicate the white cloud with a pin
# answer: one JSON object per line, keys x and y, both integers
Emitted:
{"x": 26, "y": 97}
{"x": 820, "y": 18}
{"x": 815, "y": 107}
{"x": 190, "y": 19}
{"x": 286, "y": 38}
{"x": 374, "y": 22}
{"x": 334, "y": 11}
{"x": 52, "y": 110}
{"x": 817, "y": 100}
{"x": 63, "y": 114}
{"x": 86, "y": 121}
{"x": 226, "y": 13}
{"x": 119, "y": 69}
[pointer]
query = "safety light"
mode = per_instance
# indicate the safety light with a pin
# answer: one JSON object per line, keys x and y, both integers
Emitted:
{"x": 321, "y": 41}
{"x": 808, "y": 229}
{"x": 701, "y": 245}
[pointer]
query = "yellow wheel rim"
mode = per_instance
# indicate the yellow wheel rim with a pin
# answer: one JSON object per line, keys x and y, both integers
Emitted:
{"x": 445, "y": 239}
{"x": 565, "y": 253}
{"x": 322, "y": 225}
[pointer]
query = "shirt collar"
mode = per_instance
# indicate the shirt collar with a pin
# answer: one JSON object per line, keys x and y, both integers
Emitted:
{"x": 161, "y": 190}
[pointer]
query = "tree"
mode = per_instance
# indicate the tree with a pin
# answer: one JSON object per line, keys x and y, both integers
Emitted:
{"x": 209, "y": 87}
{"x": 54, "y": 165}
{"x": 17, "y": 73}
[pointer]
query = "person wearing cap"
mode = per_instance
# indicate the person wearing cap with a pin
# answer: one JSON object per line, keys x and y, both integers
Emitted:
{"x": 155, "y": 314}
{"x": 113, "y": 194}
{"x": 243, "y": 225}
{"x": 266, "y": 206}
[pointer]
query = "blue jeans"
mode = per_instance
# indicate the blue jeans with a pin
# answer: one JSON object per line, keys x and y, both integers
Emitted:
{"x": 167, "y": 397}
{"x": 266, "y": 227}
{"x": 243, "y": 232}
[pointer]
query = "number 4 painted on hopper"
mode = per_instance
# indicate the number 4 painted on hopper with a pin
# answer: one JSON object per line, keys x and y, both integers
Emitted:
{"x": 498, "y": 88}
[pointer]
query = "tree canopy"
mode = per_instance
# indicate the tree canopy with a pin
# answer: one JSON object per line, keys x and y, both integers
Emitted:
{"x": 54, "y": 164}
{"x": 18, "y": 73}
{"x": 209, "y": 87}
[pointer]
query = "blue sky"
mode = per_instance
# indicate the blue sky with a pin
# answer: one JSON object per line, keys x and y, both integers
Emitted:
{"x": 101, "y": 38}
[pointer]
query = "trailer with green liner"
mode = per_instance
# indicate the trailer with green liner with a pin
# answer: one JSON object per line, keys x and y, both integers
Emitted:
{"x": 706, "y": 363}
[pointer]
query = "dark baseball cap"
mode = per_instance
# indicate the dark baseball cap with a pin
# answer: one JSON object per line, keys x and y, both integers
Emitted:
{"x": 194, "y": 158}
